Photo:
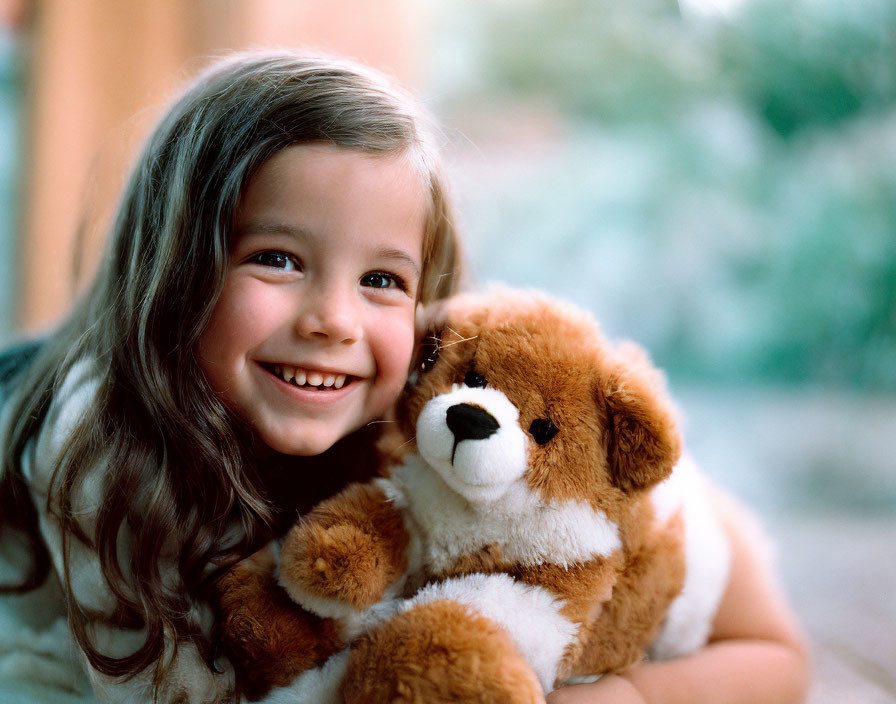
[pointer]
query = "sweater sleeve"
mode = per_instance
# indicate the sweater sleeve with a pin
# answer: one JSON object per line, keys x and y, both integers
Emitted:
{"x": 37, "y": 660}
{"x": 188, "y": 679}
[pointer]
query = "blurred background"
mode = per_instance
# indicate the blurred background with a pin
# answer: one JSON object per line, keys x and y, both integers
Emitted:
{"x": 715, "y": 179}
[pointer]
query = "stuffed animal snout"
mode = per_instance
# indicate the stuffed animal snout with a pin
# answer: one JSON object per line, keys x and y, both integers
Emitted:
{"x": 472, "y": 437}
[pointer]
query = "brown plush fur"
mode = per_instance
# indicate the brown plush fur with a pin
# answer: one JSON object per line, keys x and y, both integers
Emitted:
{"x": 652, "y": 577}
{"x": 427, "y": 648}
{"x": 267, "y": 637}
{"x": 554, "y": 362}
{"x": 351, "y": 549}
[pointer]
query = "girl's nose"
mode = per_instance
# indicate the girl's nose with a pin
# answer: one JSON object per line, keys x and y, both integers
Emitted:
{"x": 330, "y": 315}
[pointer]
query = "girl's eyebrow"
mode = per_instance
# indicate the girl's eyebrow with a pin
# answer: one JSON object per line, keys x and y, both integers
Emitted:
{"x": 266, "y": 227}
{"x": 400, "y": 255}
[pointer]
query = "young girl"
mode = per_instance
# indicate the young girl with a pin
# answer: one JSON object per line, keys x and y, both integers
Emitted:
{"x": 255, "y": 306}
{"x": 253, "y": 316}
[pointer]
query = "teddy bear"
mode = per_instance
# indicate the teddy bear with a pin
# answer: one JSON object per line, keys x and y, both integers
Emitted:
{"x": 536, "y": 526}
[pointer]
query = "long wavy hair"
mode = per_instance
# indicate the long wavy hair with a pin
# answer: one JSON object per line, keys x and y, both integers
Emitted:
{"x": 179, "y": 468}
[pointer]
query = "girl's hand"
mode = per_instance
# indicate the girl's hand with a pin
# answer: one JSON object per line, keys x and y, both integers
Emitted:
{"x": 610, "y": 689}
{"x": 756, "y": 653}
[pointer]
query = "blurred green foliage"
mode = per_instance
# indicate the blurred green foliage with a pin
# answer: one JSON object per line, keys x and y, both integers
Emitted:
{"x": 723, "y": 189}
{"x": 802, "y": 65}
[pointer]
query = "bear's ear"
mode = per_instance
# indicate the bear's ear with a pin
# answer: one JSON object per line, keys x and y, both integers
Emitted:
{"x": 642, "y": 439}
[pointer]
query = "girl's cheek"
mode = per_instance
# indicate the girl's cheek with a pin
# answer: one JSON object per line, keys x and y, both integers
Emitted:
{"x": 396, "y": 343}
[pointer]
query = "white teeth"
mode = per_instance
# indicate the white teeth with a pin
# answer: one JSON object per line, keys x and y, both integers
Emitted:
{"x": 300, "y": 377}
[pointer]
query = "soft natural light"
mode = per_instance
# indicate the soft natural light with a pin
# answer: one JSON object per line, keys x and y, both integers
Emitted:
{"x": 706, "y": 7}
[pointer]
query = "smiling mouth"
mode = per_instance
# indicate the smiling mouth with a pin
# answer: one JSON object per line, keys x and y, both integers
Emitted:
{"x": 308, "y": 379}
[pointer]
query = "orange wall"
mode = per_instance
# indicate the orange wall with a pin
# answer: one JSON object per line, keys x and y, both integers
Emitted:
{"x": 99, "y": 73}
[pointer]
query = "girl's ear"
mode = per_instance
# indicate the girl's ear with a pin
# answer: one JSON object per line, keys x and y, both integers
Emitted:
{"x": 642, "y": 439}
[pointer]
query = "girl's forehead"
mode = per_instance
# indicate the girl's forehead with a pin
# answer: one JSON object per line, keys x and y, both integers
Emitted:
{"x": 330, "y": 192}
{"x": 308, "y": 167}
{"x": 323, "y": 159}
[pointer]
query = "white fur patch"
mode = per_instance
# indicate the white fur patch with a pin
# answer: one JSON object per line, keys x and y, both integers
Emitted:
{"x": 480, "y": 470}
{"x": 708, "y": 557}
{"x": 526, "y": 529}
{"x": 668, "y": 496}
{"x": 583, "y": 679}
{"x": 321, "y": 605}
{"x": 530, "y": 615}
{"x": 328, "y": 607}
{"x": 318, "y": 686}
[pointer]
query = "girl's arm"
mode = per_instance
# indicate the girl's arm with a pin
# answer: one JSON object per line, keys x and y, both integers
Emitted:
{"x": 756, "y": 653}
{"x": 188, "y": 679}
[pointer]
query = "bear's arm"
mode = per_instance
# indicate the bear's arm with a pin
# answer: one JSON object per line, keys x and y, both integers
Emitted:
{"x": 583, "y": 588}
{"x": 347, "y": 554}
{"x": 650, "y": 579}
{"x": 268, "y": 638}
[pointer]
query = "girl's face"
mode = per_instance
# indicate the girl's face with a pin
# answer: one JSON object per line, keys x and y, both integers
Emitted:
{"x": 313, "y": 334}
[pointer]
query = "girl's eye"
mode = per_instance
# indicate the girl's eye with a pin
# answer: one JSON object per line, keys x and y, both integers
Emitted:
{"x": 276, "y": 260}
{"x": 378, "y": 279}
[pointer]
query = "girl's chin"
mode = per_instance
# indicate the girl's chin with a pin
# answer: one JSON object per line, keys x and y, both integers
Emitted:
{"x": 307, "y": 444}
{"x": 303, "y": 449}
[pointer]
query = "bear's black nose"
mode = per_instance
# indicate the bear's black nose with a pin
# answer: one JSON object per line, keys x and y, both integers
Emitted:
{"x": 469, "y": 422}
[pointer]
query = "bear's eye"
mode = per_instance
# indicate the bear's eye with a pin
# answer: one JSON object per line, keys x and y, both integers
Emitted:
{"x": 429, "y": 352}
{"x": 474, "y": 380}
{"x": 543, "y": 430}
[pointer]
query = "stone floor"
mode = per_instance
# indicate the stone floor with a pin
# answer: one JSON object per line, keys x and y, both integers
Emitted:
{"x": 841, "y": 575}
{"x": 818, "y": 467}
